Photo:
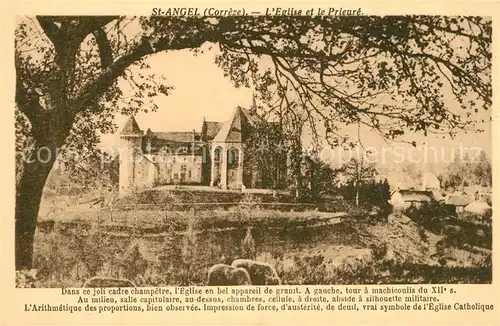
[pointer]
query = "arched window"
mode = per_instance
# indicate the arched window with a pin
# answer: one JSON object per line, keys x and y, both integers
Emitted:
{"x": 233, "y": 157}
{"x": 218, "y": 155}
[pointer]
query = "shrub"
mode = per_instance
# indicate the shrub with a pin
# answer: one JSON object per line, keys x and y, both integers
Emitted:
{"x": 379, "y": 251}
{"x": 133, "y": 263}
{"x": 249, "y": 202}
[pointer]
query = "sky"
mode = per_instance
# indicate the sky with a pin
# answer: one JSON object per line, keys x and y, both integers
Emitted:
{"x": 201, "y": 90}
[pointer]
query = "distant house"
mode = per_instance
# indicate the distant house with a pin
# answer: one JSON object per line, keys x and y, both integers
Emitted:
{"x": 459, "y": 201}
{"x": 398, "y": 180}
{"x": 472, "y": 190}
{"x": 403, "y": 199}
{"x": 478, "y": 207}
{"x": 439, "y": 195}
{"x": 479, "y": 192}
{"x": 430, "y": 182}
{"x": 401, "y": 180}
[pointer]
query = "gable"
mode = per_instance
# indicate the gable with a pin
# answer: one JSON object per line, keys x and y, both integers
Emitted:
{"x": 236, "y": 130}
{"x": 210, "y": 129}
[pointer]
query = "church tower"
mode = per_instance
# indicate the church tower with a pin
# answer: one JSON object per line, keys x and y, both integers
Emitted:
{"x": 131, "y": 148}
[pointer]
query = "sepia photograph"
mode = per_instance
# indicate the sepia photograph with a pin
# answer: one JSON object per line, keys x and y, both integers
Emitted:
{"x": 252, "y": 150}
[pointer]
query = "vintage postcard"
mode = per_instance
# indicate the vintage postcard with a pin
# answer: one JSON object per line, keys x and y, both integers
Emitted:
{"x": 279, "y": 163}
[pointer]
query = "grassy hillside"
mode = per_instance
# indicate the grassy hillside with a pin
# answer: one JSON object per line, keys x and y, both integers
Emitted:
{"x": 341, "y": 251}
{"x": 161, "y": 245}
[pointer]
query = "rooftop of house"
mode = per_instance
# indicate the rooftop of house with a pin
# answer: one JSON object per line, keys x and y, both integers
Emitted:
{"x": 411, "y": 195}
{"x": 175, "y": 136}
{"x": 477, "y": 207}
{"x": 459, "y": 200}
{"x": 210, "y": 129}
{"x": 236, "y": 129}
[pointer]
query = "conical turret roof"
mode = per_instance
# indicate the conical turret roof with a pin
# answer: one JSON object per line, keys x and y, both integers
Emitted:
{"x": 131, "y": 127}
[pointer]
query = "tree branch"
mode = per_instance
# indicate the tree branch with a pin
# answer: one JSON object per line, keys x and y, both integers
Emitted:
{"x": 49, "y": 27}
{"x": 100, "y": 85}
{"x": 105, "y": 51}
{"x": 27, "y": 100}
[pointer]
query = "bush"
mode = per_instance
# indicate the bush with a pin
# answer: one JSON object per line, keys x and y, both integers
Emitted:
{"x": 378, "y": 251}
{"x": 433, "y": 217}
{"x": 133, "y": 263}
{"x": 249, "y": 202}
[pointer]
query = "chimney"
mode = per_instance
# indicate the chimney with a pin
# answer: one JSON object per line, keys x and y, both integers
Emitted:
{"x": 194, "y": 135}
{"x": 203, "y": 133}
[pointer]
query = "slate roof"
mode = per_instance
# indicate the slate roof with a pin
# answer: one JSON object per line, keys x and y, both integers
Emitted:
{"x": 211, "y": 128}
{"x": 180, "y": 143}
{"x": 236, "y": 129}
{"x": 131, "y": 127}
{"x": 175, "y": 136}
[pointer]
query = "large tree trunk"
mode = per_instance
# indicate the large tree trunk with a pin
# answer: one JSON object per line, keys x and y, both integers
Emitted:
{"x": 28, "y": 198}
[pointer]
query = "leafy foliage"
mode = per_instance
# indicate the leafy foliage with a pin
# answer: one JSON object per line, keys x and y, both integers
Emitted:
{"x": 266, "y": 151}
{"x": 391, "y": 73}
{"x": 371, "y": 193}
{"x": 467, "y": 171}
{"x": 314, "y": 265}
{"x": 358, "y": 169}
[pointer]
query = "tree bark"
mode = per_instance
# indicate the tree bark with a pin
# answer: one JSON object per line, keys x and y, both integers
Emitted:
{"x": 28, "y": 197}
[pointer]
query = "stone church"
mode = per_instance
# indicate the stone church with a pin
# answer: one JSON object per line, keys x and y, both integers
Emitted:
{"x": 213, "y": 156}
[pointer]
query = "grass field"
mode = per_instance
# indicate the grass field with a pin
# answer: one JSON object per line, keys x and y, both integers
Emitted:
{"x": 159, "y": 247}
